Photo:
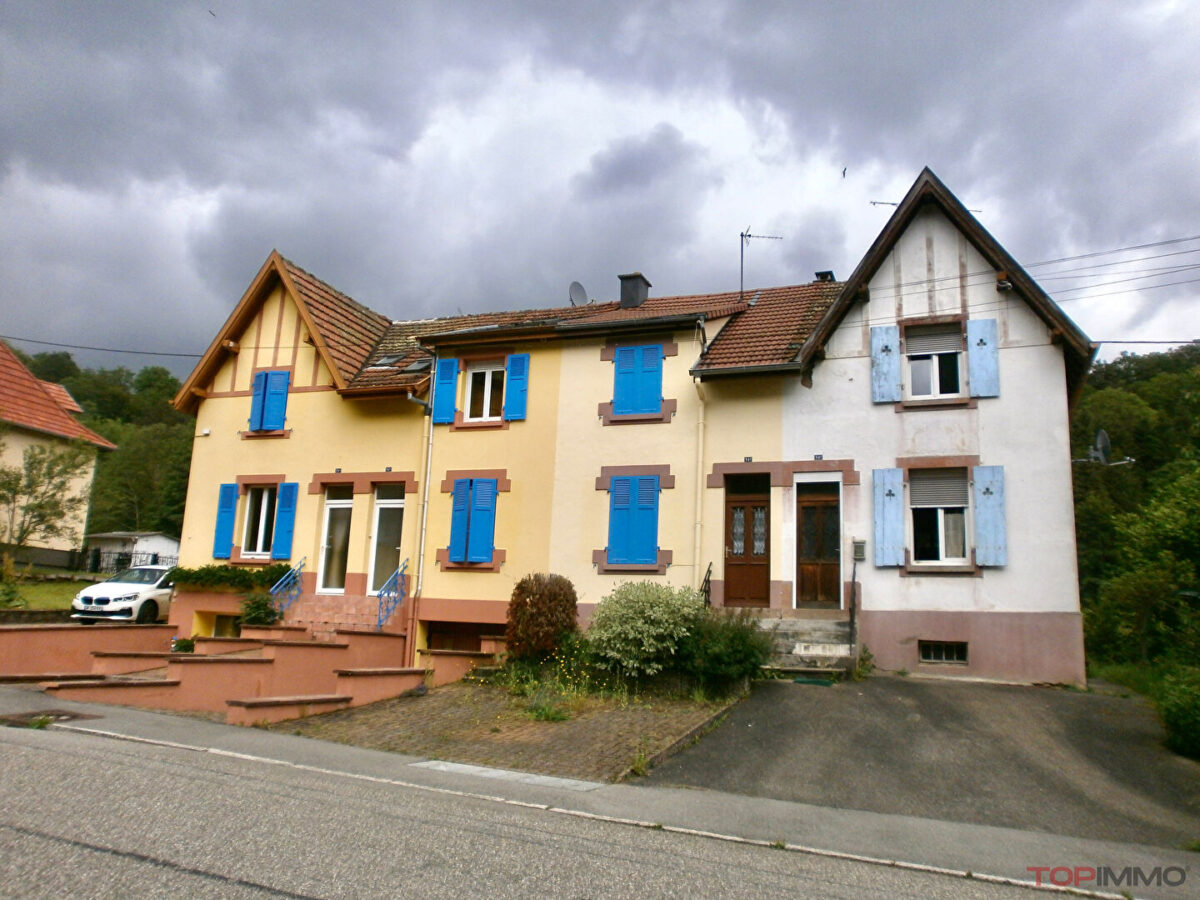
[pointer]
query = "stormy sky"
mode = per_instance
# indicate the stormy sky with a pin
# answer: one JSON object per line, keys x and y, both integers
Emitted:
{"x": 431, "y": 158}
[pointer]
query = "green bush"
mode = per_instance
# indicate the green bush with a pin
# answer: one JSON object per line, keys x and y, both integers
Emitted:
{"x": 235, "y": 577}
{"x": 183, "y": 645}
{"x": 10, "y": 594}
{"x": 540, "y": 613}
{"x": 637, "y": 629}
{"x": 1179, "y": 706}
{"x": 258, "y": 608}
{"x": 723, "y": 648}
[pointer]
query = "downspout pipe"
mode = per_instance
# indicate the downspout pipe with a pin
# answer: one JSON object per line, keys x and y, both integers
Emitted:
{"x": 410, "y": 645}
{"x": 697, "y": 568}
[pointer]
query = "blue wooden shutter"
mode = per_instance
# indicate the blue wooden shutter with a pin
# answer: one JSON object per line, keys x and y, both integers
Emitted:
{"x": 460, "y": 519}
{"x": 991, "y": 531}
{"x": 889, "y": 517}
{"x": 645, "y": 520}
{"x": 444, "y": 388}
{"x": 885, "y": 363}
{"x": 285, "y": 520}
{"x": 227, "y": 498}
{"x": 274, "y": 409}
{"x": 620, "y": 520}
{"x": 259, "y": 397}
{"x": 983, "y": 358}
{"x": 482, "y": 530}
{"x": 516, "y": 384}
{"x": 625, "y": 381}
{"x": 649, "y": 399}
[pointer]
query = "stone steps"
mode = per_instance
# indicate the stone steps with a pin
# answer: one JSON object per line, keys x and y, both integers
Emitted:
{"x": 809, "y": 645}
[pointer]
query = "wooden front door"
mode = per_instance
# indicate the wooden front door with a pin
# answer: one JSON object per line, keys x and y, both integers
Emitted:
{"x": 818, "y": 543}
{"x": 747, "y": 549}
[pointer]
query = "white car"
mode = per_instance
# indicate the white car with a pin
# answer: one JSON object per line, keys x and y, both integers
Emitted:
{"x": 141, "y": 594}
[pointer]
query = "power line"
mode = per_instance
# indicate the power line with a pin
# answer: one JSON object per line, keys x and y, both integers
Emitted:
{"x": 9, "y": 337}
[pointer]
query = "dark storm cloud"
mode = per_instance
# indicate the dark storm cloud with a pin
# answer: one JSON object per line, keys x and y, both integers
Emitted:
{"x": 152, "y": 154}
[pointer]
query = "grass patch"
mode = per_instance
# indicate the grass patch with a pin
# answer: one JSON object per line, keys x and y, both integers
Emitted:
{"x": 50, "y": 594}
{"x": 1147, "y": 679}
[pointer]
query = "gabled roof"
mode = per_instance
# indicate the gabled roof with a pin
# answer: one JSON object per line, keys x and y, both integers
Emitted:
{"x": 343, "y": 330}
{"x": 929, "y": 190}
{"x": 768, "y": 334}
{"x": 27, "y": 402}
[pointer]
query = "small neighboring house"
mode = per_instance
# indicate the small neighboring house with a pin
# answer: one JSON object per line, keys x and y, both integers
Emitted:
{"x": 113, "y": 550}
{"x": 37, "y": 412}
{"x": 887, "y": 454}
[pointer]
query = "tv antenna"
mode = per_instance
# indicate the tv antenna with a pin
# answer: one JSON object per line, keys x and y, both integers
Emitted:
{"x": 746, "y": 238}
{"x": 577, "y": 294}
{"x": 1101, "y": 452}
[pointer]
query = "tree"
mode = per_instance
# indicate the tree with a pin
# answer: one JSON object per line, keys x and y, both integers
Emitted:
{"x": 142, "y": 484}
{"x": 103, "y": 393}
{"x": 56, "y": 367}
{"x": 39, "y": 498}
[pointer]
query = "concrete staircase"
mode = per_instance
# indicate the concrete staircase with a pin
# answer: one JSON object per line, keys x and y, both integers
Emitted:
{"x": 810, "y": 646}
{"x": 267, "y": 675}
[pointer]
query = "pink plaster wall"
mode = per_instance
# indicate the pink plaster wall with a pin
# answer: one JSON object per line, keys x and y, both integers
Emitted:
{"x": 61, "y": 649}
{"x": 1023, "y": 647}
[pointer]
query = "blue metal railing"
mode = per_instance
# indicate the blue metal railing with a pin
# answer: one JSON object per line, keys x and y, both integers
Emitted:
{"x": 287, "y": 589}
{"x": 392, "y": 594}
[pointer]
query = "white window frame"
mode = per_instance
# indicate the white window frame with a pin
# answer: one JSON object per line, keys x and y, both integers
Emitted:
{"x": 934, "y": 358}
{"x": 330, "y": 506}
{"x": 489, "y": 369}
{"x": 967, "y": 528}
{"x": 255, "y": 496}
{"x": 380, "y": 505}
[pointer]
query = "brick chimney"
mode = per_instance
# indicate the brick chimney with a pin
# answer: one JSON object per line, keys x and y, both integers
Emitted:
{"x": 634, "y": 290}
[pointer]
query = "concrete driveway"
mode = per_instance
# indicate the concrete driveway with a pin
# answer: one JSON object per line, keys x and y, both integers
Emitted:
{"x": 1083, "y": 764}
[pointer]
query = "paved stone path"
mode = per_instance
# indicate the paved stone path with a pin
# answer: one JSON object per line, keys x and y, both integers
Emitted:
{"x": 487, "y": 726}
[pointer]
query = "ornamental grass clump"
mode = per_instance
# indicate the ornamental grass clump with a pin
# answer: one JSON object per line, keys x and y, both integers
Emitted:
{"x": 637, "y": 629}
{"x": 541, "y": 613}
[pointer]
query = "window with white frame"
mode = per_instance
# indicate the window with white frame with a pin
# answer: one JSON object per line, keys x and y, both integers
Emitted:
{"x": 484, "y": 400}
{"x": 934, "y": 355}
{"x": 259, "y": 527}
{"x": 939, "y": 499}
{"x": 335, "y": 538}
{"x": 385, "y": 539}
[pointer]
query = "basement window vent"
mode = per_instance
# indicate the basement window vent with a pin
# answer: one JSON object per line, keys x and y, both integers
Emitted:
{"x": 943, "y": 652}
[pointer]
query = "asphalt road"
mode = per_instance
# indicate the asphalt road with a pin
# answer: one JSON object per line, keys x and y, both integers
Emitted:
{"x": 1062, "y": 762}
{"x": 82, "y": 815}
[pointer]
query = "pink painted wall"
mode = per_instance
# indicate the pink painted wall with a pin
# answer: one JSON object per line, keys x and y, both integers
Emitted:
{"x": 62, "y": 649}
{"x": 1022, "y": 647}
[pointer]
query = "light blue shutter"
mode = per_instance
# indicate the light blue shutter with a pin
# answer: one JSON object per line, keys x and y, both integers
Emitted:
{"x": 460, "y": 519}
{"x": 285, "y": 520}
{"x": 257, "y": 400}
{"x": 625, "y": 381}
{"x": 482, "y": 531}
{"x": 649, "y": 390}
{"x": 274, "y": 409}
{"x": 889, "y": 517}
{"x": 620, "y": 520}
{"x": 991, "y": 531}
{"x": 885, "y": 363}
{"x": 227, "y": 498}
{"x": 983, "y": 358}
{"x": 444, "y": 388}
{"x": 645, "y": 520}
{"x": 516, "y": 384}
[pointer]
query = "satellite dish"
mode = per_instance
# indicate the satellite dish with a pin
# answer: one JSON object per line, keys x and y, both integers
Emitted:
{"x": 577, "y": 294}
{"x": 1102, "y": 448}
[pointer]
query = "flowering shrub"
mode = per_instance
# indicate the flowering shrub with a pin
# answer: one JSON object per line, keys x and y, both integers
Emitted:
{"x": 637, "y": 629}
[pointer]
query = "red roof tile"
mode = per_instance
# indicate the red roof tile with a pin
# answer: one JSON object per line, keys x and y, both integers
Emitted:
{"x": 62, "y": 397}
{"x": 350, "y": 330}
{"x": 770, "y": 332}
{"x": 27, "y": 403}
